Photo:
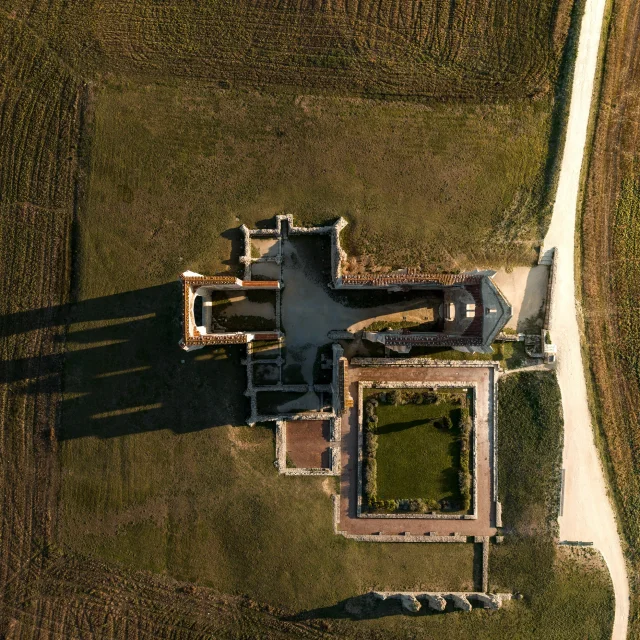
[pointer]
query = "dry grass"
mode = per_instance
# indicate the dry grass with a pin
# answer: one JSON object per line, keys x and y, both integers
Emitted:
{"x": 611, "y": 228}
{"x": 148, "y": 480}
{"x": 175, "y": 168}
{"x": 473, "y": 49}
{"x": 39, "y": 121}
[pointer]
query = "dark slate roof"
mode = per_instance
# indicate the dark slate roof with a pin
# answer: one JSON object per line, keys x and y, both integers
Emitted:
{"x": 492, "y": 298}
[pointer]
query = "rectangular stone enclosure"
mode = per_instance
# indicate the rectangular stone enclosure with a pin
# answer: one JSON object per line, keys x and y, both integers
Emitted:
{"x": 308, "y": 443}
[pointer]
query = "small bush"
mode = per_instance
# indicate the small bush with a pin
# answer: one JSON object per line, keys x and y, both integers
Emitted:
{"x": 396, "y": 397}
{"x": 464, "y": 479}
{"x": 370, "y": 444}
{"x": 370, "y": 486}
{"x": 429, "y": 398}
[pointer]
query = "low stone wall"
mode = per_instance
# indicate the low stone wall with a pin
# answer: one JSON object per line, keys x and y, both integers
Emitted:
{"x": 337, "y": 391}
{"x": 405, "y": 537}
{"x": 278, "y": 310}
{"x": 338, "y": 255}
{"x": 550, "y": 290}
{"x": 474, "y": 448}
{"x": 245, "y": 258}
{"x": 437, "y": 601}
{"x": 484, "y": 540}
{"x": 423, "y": 362}
{"x": 281, "y": 450}
{"x": 493, "y": 426}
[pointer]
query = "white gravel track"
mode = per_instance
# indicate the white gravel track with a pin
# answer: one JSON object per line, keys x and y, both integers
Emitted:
{"x": 587, "y": 513}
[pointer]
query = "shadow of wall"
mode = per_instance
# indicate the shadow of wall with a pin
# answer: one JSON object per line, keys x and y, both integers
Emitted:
{"x": 123, "y": 371}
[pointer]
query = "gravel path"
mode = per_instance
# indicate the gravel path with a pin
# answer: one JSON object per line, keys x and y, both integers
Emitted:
{"x": 587, "y": 513}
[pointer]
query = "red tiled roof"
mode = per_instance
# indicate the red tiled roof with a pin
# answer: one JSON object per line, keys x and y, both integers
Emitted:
{"x": 374, "y": 279}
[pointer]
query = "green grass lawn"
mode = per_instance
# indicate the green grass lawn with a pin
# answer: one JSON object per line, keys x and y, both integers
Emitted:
{"x": 175, "y": 168}
{"x": 153, "y": 475}
{"x": 530, "y": 446}
{"x": 510, "y": 355}
{"x": 414, "y": 458}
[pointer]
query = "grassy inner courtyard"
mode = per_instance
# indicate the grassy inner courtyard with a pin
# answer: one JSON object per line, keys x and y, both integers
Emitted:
{"x": 418, "y": 451}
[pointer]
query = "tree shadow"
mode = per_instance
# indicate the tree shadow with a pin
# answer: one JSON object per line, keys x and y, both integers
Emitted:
{"x": 395, "y": 427}
{"x": 122, "y": 370}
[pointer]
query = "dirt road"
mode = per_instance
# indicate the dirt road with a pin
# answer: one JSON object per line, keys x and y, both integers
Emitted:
{"x": 587, "y": 514}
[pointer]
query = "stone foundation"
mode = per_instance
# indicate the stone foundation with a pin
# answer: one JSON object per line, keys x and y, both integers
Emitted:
{"x": 426, "y": 384}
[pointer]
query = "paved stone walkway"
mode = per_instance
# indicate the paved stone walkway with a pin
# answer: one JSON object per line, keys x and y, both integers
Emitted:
{"x": 485, "y": 524}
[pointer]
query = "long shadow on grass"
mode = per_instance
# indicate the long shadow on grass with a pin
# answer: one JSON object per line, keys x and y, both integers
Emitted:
{"x": 366, "y": 607}
{"x": 395, "y": 427}
{"x": 122, "y": 370}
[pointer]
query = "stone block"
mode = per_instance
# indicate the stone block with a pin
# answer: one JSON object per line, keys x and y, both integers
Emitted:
{"x": 436, "y": 602}
{"x": 410, "y": 603}
{"x": 460, "y": 602}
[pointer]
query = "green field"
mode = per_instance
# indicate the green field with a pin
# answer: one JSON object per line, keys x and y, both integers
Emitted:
{"x": 415, "y": 459}
{"x": 530, "y": 436}
{"x": 135, "y": 137}
{"x": 530, "y": 445}
{"x": 175, "y": 169}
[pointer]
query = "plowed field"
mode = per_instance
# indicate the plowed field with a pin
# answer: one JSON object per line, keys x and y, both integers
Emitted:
{"x": 473, "y": 49}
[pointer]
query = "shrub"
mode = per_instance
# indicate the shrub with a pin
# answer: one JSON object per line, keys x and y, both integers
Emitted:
{"x": 464, "y": 479}
{"x": 443, "y": 423}
{"x": 429, "y": 398}
{"x": 370, "y": 486}
{"x": 370, "y": 444}
{"x": 396, "y": 397}
{"x": 467, "y": 425}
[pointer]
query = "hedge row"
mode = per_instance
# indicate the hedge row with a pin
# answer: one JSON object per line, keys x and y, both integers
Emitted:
{"x": 370, "y": 446}
{"x": 464, "y": 475}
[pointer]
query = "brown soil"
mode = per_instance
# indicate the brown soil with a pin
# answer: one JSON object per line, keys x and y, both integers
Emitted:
{"x": 308, "y": 443}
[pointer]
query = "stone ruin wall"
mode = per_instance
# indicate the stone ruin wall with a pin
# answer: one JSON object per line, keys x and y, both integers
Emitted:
{"x": 474, "y": 448}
